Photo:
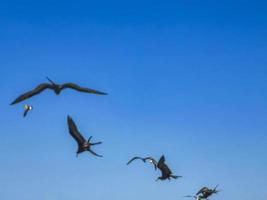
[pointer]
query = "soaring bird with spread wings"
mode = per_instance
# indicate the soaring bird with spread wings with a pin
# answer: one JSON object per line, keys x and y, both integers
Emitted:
{"x": 166, "y": 173}
{"x": 83, "y": 145}
{"x": 204, "y": 193}
{"x": 57, "y": 88}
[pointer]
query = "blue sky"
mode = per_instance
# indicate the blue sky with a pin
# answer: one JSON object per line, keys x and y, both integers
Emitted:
{"x": 186, "y": 79}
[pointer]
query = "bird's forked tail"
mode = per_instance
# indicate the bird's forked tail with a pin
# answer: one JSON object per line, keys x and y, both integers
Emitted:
{"x": 175, "y": 177}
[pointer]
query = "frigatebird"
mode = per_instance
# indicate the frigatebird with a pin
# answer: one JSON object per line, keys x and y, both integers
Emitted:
{"x": 57, "y": 88}
{"x": 27, "y": 108}
{"x": 149, "y": 159}
{"x": 83, "y": 145}
{"x": 165, "y": 171}
{"x": 205, "y": 192}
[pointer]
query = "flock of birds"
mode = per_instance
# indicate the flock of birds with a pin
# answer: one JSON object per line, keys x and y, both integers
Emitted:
{"x": 86, "y": 145}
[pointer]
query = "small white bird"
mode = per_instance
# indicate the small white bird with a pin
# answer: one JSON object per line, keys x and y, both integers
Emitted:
{"x": 27, "y": 108}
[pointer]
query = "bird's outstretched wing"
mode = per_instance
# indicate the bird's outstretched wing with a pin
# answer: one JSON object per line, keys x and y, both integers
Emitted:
{"x": 135, "y": 158}
{"x": 81, "y": 89}
{"x": 75, "y": 132}
{"x": 204, "y": 189}
{"x": 190, "y": 196}
{"x": 161, "y": 160}
{"x": 165, "y": 170}
{"x": 33, "y": 92}
{"x": 149, "y": 159}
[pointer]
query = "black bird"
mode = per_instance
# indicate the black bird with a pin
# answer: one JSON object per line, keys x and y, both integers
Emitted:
{"x": 57, "y": 89}
{"x": 165, "y": 170}
{"x": 149, "y": 159}
{"x": 83, "y": 145}
{"x": 27, "y": 108}
{"x": 205, "y": 192}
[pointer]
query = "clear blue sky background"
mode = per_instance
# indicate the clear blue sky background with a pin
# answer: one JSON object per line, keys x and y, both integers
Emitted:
{"x": 186, "y": 79}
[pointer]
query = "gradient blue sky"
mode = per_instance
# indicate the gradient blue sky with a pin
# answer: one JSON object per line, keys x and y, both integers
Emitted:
{"x": 186, "y": 79}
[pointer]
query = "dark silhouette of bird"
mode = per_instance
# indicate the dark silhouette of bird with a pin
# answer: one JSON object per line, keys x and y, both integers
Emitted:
{"x": 166, "y": 173}
{"x": 149, "y": 159}
{"x": 83, "y": 145}
{"x": 27, "y": 108}
{"x": 205, "y": 192}
{"x": 57, "y": 88}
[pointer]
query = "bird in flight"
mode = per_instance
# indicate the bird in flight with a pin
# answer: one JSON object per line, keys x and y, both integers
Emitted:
{"x": 204, "y": 193}
{"x": 57, "y": 88}
{"x": 27, "y": 108}
{"x": 83, "y": 145}
{"x": 166, "y": 173}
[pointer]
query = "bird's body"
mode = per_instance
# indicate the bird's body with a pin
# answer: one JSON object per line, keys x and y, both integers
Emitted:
{"x": 166, "y": 173}
{"x": 83, "y": 145}
{"x": 205, "y": 192}
{"x": 27, "y": 108}
{"x": 57, "y": 88}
